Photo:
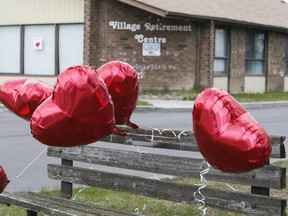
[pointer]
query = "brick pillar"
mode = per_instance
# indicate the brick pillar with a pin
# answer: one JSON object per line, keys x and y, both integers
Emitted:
{"x": 87, "y": 31}
{"x": 237, "y": 60}
{"x": 91, "y": 32}
{"x": 275, "y": 62}
{"x": 206, "y": 60}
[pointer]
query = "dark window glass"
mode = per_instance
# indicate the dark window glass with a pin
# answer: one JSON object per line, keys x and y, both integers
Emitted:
{"x": 286, "y": 56}
{"x": 255, "y": 53}
{"x": 221, "y": 51}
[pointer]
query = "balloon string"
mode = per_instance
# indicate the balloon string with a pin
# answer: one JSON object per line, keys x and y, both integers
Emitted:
{"x": 232, "y": 188}
{"x": 31, "y": 163}
{"x": 80, "y": 191}
{"x": 199, "y": 198}
{"x": 139, "y": 211}
{"x": 152, "y": 136}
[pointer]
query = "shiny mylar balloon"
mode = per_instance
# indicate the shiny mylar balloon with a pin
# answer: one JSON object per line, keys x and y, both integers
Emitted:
{"x": 122, "y": 83}
{"x": 229, "y": 138}
{"x": 3, "y": 179}
{"x": 79, "y": 111}
{"x": 23, "y": 96}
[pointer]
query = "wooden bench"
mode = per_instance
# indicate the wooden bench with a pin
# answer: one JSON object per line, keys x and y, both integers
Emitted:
{"x": 165, "y": 157}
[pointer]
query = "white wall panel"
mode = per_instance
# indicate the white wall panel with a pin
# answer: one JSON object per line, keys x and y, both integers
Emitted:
{"x": 221, "y": 83}
{"x": 48, "y": 80}
{"x": 286, "y": 84}
{"x": 14, "y": 12}
{"x": 255, "y": 84}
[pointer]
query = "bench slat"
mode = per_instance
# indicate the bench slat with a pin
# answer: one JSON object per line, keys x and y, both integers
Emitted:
{"x": 56, "y": 206}
{"x": 179, "y": 140}
{"x": 267, "y": 176}
{"x": 168, "y": 190}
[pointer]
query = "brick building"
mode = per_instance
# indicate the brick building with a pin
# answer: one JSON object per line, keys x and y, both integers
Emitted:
{"x": 238, "y": 46}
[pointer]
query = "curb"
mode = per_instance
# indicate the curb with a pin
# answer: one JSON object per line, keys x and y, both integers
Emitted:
{"x": 255, "y": 105}
{"x": 265, "y": 104}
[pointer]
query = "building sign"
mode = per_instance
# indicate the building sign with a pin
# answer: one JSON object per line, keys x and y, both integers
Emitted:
{"x": 151, "y": 49}
{"x": 120, "y": 25}
{"x": 142, "y": 39}
{"x": 151, "y": 46}
{"x": 161, "y": 27}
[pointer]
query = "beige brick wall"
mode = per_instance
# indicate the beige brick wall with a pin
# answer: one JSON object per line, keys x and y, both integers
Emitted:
{"x": 179, "y": 62}
{"x": 275, "y": 62}
{"x": 237, "y": 60}
{"x": 206, "y": 60}
{"x": 175, "y": 68}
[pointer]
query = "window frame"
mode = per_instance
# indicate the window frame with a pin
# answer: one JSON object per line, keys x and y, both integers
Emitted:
{"x": 226, "y": 51}
{"x": 286, "y": 56}
{"x": 17, "y": 52}
{"x": 56, "y": 70}
{"x": 33, "y": 32}
{"x": 253, "y": 59}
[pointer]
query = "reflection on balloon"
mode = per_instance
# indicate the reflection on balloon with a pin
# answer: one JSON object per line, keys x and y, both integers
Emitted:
{"x": 78, "y": 112}
{"x": 3, "y": 179}
{"x": 122, "y": 83}
{"x": 23, "y": 96}
{"x": 229, "y": 138}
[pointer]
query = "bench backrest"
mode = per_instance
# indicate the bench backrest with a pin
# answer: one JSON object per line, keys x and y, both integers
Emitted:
{"x": 146, "y": 162}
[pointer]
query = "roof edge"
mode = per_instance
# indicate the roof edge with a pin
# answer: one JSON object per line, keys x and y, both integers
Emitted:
{"x": 145, "y": 7}
{"x": 226, "y": 20}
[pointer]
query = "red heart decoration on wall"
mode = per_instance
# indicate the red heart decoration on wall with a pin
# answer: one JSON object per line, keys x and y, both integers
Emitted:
{"x": 3, "y": 179}
{"x": 122, "y": 83}
{"x": 79, "y": 111}
{"x": 37, "y": 44}
{"x": 229, "y": 138}
{"x": 23, "y": 96}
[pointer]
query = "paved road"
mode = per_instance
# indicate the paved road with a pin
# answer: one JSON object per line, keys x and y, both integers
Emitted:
{"x": 274, "y": 120}
{"x": 18, "y": 148}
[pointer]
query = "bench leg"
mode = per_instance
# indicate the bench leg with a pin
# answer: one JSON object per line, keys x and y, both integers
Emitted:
{"x": 31, "y": 213}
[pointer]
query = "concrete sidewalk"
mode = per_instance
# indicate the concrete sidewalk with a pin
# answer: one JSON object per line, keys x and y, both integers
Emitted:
{"x": 188, "y": 105}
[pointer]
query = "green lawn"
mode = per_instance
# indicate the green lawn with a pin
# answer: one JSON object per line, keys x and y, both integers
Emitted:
{"x": 244, "y": 97}
{"x": 271, "y": 96}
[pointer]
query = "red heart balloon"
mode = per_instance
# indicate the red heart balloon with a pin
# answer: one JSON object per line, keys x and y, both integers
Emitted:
{"x": 79, "y": 111}
{"x": 229, "y": 138}
{"x": 122, "y": 83}
{"x": 23, "y": 96}
{"x": 3, "y": 179}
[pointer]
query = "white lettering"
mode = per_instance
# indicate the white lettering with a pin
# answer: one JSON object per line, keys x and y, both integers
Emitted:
{"x": 124, "y": 26}
{"x": 141, "y": 39}
{"x": 160, "y": 27}
{"x": 120, "y": 25}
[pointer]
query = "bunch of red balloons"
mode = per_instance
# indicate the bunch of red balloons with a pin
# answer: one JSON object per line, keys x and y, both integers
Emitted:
{"x": 84, "y": 106}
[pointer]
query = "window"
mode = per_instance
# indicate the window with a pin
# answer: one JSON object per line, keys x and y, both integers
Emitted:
{"x": 70, "y": 45}
{"x": 221, "y": 51}
{"x": 10, "y": 49}
{"x": 286, "y": 56}
{"x": 39, "y": 61}
{"x": 40, "y": 49}
{"x": 255, "y": 53}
